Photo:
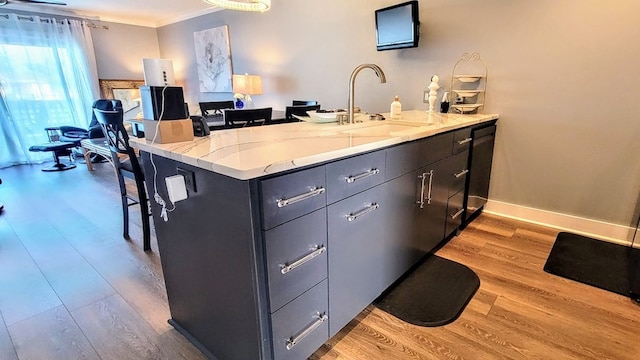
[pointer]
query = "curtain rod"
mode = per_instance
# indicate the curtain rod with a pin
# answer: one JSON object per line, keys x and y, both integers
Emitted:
{"x": 31, "y": 18}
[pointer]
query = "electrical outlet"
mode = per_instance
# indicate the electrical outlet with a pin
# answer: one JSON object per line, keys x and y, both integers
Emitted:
{"x": 189, "y": 179}
{"x": 425, "y": 97}
{"x": 176, "y": 188}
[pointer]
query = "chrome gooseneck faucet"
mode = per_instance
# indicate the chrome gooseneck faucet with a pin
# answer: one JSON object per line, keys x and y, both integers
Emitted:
{"x": 352, "y": 80}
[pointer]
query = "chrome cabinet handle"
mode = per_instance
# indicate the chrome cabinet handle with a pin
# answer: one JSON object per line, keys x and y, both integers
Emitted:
{"x": 353, "y": 178}
{"x": 421, "y": 201}
{"x": 366, "y": 210}
{"x": 294, "y": 340}
{"x": 464, "y": 141}
{"x": 461, "y": 173}
{"x": 315, "y": 251}
{"x": 313, "y": 192}
{"x": 430, "y": 187}
{"x": 454, "y": 216}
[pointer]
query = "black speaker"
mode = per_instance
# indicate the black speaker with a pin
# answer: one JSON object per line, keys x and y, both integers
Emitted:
{"x": 154, "y": 97}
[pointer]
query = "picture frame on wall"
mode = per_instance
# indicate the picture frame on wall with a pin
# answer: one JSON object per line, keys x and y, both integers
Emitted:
{"x": 127, "y": 91}
{"x": 213, "y": 59}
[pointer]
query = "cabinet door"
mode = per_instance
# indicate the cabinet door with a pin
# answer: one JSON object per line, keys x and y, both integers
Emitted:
{"x": 355, "y": 236}
{"x": 403, "y": 237}
{"x": 437, "y": 181}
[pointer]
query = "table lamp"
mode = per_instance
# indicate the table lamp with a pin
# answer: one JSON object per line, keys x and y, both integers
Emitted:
{"x": 247, "y": 85}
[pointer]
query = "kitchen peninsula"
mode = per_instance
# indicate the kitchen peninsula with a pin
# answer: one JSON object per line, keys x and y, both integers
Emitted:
{"x": 290, "y": 230}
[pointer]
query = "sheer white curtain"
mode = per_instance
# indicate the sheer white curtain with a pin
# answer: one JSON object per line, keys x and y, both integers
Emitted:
{"x": 48, "y": 78}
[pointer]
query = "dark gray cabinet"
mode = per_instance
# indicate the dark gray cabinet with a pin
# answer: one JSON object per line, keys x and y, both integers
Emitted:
{"x": 296, "y": 257}
{"x": 301, "y": 327}
{"x": 355, "y": 228}
{"x": 270, "y": 268}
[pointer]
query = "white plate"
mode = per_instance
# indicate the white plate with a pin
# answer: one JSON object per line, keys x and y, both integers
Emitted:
{"x": 313, "y": 119}
{"x": 468, "y": 78}
{"x": 467, "y": 93}
{"x": 465, "y": 107}
{"x": 324, "y": 115}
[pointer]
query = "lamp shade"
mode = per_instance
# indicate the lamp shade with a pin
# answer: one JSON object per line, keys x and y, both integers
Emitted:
{"x": 247, "y": 84}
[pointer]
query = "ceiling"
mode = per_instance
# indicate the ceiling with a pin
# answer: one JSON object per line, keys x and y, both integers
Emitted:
{"x": 151, "y": 13}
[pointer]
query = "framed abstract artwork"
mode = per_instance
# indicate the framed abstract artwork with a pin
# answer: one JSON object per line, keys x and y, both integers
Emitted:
{"x": 213, "y": 59}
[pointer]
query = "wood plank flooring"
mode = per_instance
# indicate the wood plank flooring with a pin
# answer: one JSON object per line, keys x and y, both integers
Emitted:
{"x": 72, "y": 288}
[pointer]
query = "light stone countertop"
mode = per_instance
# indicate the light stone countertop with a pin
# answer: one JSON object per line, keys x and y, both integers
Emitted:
{"x": 252, "y": 152}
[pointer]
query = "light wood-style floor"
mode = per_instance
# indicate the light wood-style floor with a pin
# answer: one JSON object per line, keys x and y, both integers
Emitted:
{"x": 72, "y": 288}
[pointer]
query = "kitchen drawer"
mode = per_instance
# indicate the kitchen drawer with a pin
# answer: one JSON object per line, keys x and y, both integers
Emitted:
{"x": 455, "y": 209}
{"x": 462, "y": 140}
{"x": 289, "y": 196}
{"x": 296, "y": 257}
{"x": 353, "y": 175}
{"x": 302, "y": 326}
{"x": 459, "y": 170}
{"x": 408, "y": 157}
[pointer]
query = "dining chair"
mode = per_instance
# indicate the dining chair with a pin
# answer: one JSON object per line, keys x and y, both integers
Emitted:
{"x": 112, "y": 125}
{"x": 215, "y": 107}
{"x": 304, "y": 102}
{"x": 247, "y": 117}
{"x": 300, "y": 110}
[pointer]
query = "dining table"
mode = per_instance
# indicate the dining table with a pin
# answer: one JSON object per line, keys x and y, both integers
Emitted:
{"x": 216, "y": 121}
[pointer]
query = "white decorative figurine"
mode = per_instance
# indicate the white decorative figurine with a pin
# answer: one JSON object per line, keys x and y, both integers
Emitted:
{"x": 433, "y": 93}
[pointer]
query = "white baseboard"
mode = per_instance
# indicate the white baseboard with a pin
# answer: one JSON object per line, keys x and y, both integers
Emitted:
{"x": 614, "y": 233}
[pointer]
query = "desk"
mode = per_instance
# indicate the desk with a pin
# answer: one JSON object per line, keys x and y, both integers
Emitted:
{"x": 95, "y": 146}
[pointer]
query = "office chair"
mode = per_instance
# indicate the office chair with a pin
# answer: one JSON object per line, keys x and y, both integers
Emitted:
{"x": 75, "y": 134}
{"x": 303, "y": 102}
{"x": 112, "y": 125}
{"x": 215, "y": 107}
{"x": 247, "y": 117}
{"x": 300, "y": 110}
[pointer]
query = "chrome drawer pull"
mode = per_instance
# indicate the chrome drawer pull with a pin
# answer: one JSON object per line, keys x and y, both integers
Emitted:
{"x": 461, "y": 173}
{"x": 353, "y": 178}
{"x": 368, "y": 209}
{"x": 313, "y": 192}
{"x": 454, "y": 216}
{"x": 464, "y": 141}
{"x": 430, "y": 187}
{"x": 293, "y": 341}
{"x": 421, "y": 201}
{"x": 316, "y": 250}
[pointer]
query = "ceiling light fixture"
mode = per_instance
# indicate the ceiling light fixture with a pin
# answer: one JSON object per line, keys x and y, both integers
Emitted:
{"x": 242, "y": 5}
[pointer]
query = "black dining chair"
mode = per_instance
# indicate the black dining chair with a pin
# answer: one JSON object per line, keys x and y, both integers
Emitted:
{"x": 300, "y": 110}
{"x": 247, "y": 117}
{"x": 215, "y": 107}
{"x": 129, "y": 167}
{"x": 303, "y": 102}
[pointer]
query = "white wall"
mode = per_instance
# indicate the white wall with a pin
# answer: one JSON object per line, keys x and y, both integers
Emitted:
{"x": 120, "y": 50}
{"x": 562, "y": 74}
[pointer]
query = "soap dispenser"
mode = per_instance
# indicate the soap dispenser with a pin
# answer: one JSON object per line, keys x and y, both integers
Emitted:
{"x": 444, "y": 104}
{"x": 396, "y": 108}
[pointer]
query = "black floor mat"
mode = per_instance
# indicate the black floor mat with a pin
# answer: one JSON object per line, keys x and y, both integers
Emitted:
{"x": 434, "y": 294}
{"x": 594, "y": 262}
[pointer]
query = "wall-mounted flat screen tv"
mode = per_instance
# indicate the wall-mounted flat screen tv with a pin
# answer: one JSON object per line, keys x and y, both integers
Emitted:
{"x": 398, "y": 26}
